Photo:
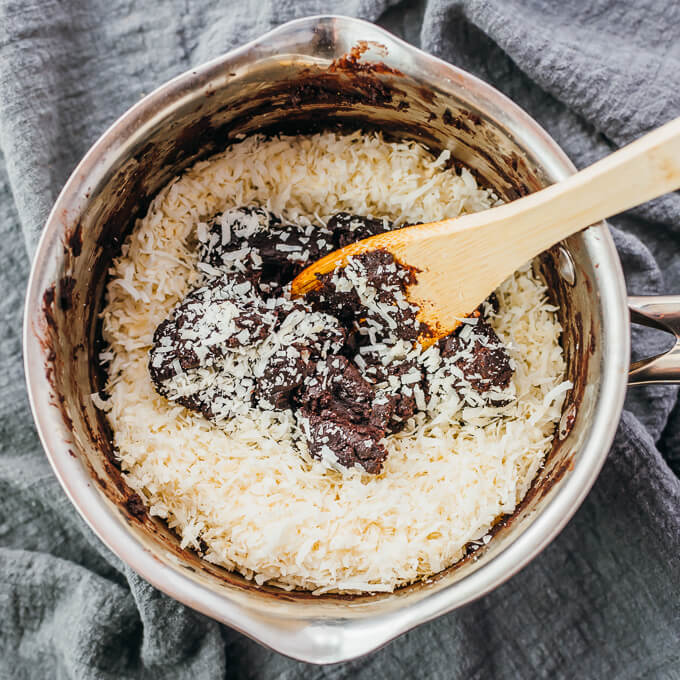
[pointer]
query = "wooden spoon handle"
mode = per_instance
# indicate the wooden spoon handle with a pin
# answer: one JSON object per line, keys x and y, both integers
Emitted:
{"x": 461, "y": 260}
{"x": 645, "y": 169}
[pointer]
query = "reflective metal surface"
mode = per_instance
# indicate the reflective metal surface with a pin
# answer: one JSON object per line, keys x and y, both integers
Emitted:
{"x": 661, "y": 312}
{"x": 288, "y": 80}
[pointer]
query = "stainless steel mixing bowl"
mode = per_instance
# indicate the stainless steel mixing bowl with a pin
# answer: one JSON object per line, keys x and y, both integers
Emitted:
{"x": 307, "y": 74}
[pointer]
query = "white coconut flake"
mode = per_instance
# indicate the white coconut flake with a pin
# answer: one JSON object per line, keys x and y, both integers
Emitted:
{"x": 247, "y": 486}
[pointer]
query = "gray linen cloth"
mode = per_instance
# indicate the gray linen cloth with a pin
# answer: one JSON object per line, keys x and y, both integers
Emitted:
{"x": 601, "y": 601}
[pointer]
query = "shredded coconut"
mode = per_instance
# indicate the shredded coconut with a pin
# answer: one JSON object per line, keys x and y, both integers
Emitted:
{"x": 242, "y": 488}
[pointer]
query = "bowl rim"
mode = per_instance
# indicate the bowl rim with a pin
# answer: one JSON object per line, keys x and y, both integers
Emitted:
{"x": 342, "y": 639}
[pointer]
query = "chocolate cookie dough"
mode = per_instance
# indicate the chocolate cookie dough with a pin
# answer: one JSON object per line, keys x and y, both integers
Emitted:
{"x": 344, "y": 360}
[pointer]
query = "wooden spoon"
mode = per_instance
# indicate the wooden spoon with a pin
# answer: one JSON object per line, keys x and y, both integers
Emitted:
{"x": 463, "y": 259}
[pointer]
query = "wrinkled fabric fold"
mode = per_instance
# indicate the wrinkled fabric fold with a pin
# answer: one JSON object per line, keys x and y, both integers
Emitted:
{"x": 600, "y": 601}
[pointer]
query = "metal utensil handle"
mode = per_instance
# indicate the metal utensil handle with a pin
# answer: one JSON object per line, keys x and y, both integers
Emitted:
{"x": 662, "y": 312}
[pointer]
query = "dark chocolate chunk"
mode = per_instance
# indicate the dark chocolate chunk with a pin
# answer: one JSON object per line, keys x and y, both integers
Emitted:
{"x": 346, "y": 415}
{"x": 231, "y": 231}
{"x": 344, "y": 305}
{"x": 401, "y": 406}
{"x": 488, "y": 363}
{"x": 330, "y": 370}
{"x": 348, "y": 228}
{"x": 347, "y": 442}
{"x": 283, "y": 373}
{"x": 194, "y": 335}
{"x": 337, "y": 386}
{"x": 389, "y": 279}
{"x": 276, "y": 251}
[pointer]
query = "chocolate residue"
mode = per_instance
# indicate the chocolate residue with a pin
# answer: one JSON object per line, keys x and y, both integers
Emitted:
{"x": 455, "y": 121}
{"x": 350, "y": 61}
{"x": 66, "y": 286}
{"x": 80, "y": 347}
{"x": 426, "y": 94}
{"x": 48, "y": 303}
{"x": 324, "y": 88}
{"x": 68, "y": 421}
{"x": 135, "y": 506}
{"x": 473, "y": 118}
{"x": 74, "y": 239}
{"x": 189, "y": 138}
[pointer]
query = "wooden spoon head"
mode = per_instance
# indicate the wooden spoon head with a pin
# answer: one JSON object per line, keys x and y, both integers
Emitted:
{"x": 419, "y": 249}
